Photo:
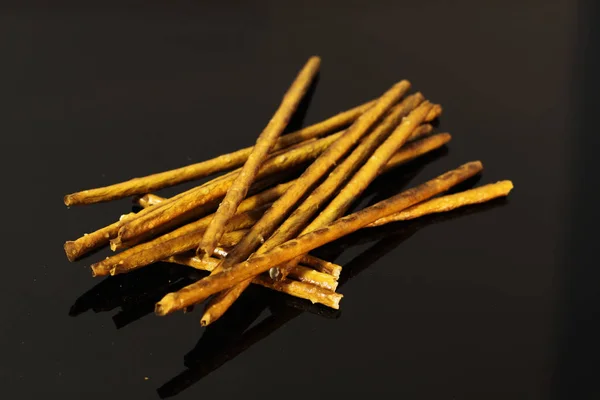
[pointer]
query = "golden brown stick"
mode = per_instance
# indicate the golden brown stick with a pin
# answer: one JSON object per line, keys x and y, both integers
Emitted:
{"x": 363, "y": 178}
{"x": 421, "y": 131}
{"x": 232, "y": 238}
{"x": 88, "y": 242}
{"x": 449, "y": 202}
{"x": 103, "y": 267}
{"x": 301, "y": 273}
{"x": 302, "y": 290}
{"x": 298, "y": 220}
{"x": 435, "y": 112}
{"x": 138, "y": 256}
{"x": 153, "y": 250}
{"x": 323, "y": 266}
{"x": 265, "y": 142}
{"x": 219, "y": 281}
{"x": 273, "y": 217}
{"x": 221, "y": 163}
{"x": 314, "y": 202}
{"x": 184, "y": 204}
{"x": 370, "y": 170}
{"x": 265, "y": 227}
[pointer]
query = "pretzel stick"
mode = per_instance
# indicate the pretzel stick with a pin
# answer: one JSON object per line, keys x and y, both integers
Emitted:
{"x": 92, "y": 241}
{"x": 103, "y": 267}
{"x": 219, "y": 281}
{"x": 322, "y": 266}
{"x": 182, "y": 206}
{"x": 273, "y": 217}
{"x": 178, "y": 240}
{"x": 449, "y": 202}
{"x": 265, "y": 142}
{"x": 221, "y": 163}
{"x": 301, "y": 273}
{"x": 138, "y": 256}
{"x": 294, "y": 224}
{"x": 363, "y": 177}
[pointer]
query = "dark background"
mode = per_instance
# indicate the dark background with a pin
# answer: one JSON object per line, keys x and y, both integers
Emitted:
{"x": 497, "y": 301}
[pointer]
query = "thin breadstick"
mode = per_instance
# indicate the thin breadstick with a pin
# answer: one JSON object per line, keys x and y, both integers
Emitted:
{"x": 301, "y": 273}
{"x": 449, "y": 202}
{"x": 407, "y": 153}
{"x": 322, "y": 266}
{"x": 421, "y": 131}
{"x": 225, "y": 279}
{"x": 202, "y": 169}
{"x": 92, "y": 241}
{"x": 314, "y": 202}
{"x": 183, "y": 205}
{"x": 265, "y": 142}
{"x": 363, "y": 178}
{"x": 138, "y": 256}
{"x": 370, "y": 170}
{"x": 294, "y": 224}
{"x": 273, "y": 217}
{"x": 103, "y": 267}
{"x": 178, "y": 240}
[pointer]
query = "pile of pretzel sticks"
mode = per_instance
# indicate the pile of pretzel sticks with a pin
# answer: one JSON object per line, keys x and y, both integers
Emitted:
{"x": 253, "y": 224}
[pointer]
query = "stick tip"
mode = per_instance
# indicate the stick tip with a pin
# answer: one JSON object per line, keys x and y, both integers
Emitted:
{"x": 71, "y": 250}
{"x": 206, "y": 319}
{"x": 166, "y": 305}
{"x": 69, "y": 200}
{"x": 98, "y": 270}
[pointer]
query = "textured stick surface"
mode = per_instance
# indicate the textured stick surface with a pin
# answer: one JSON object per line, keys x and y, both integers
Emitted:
{"x": 265, "y": 142}
{"x": 265, "y": 227}
{"x": 293, "y": 224}
{"x": 142, "y": 185}
{"x": 219, "y": 281}
{"x": 449, "y": 202}
{"x": 185, "y": 203}
{"x": 363, "y": 177}
{"x": 136, "y": 255}
{"x": 91, "y": 241}
{"x": 302, "y": 290}
{"x": 273, "y": 217}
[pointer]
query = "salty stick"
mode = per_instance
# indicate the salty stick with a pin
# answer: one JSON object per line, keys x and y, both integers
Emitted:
{"x": 273, "y": 217}
{"x": 363, "y": 177}
{"x": 138, "y": 256}
{"x": 312, "y": 204}
{"x": 184, "y": 204}
{"x": 91, "y": 241}
{"x": 145, "y": 253}
{"x": 268, "y": 196}
{"x": 323, "y": 266}
{"x": 449, "y": 202}
{"x": 202, "y": 169}
{"x": 219, "y": 281}
{"x": 370, "y": 170}
{"x": 301, "y": 273}
{"x": 265, "y": 142}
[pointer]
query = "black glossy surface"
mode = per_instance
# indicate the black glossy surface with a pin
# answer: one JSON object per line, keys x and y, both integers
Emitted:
{"x": 494, "y": 302}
